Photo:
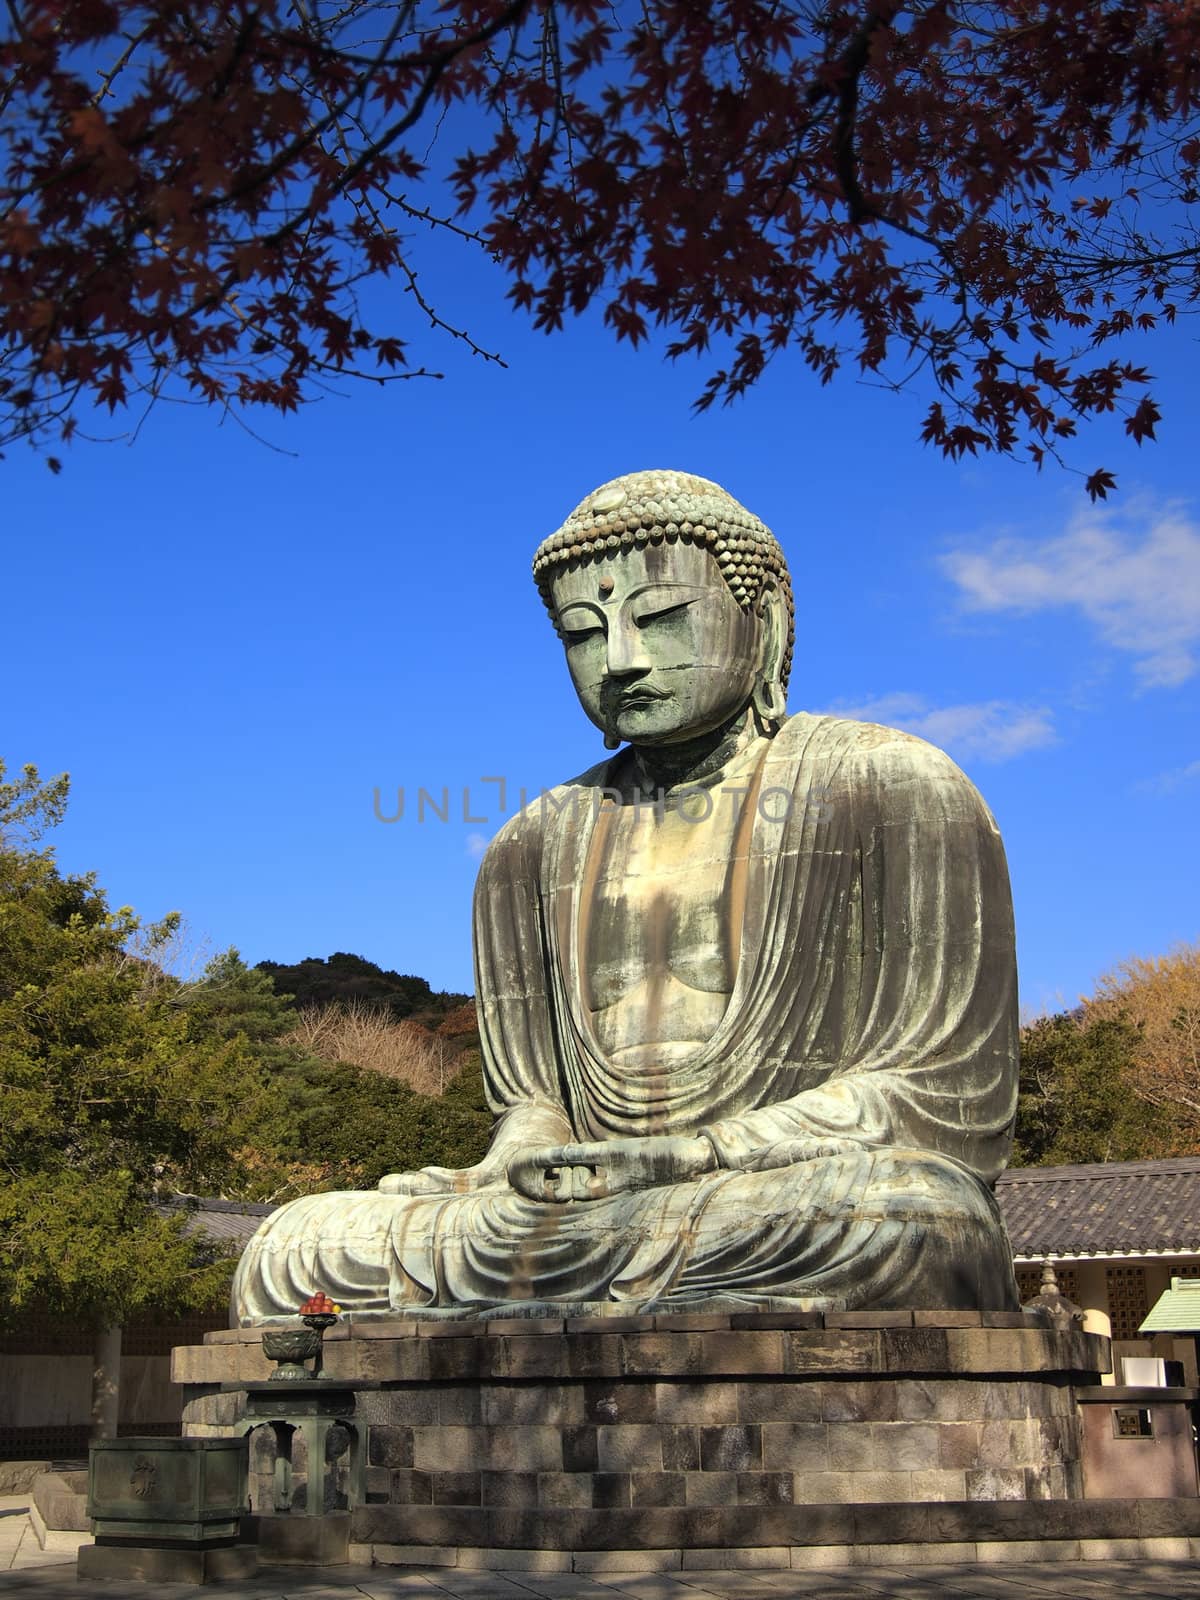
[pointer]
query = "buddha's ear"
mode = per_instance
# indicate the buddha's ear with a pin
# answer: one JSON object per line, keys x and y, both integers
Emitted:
{"x": 770, "y": 696}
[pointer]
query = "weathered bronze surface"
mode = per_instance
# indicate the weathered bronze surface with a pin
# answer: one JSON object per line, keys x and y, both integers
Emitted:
{"x": 291, "y": 1348}
{"x": 190, "y": 1490}
{"x": 747, "y": 989}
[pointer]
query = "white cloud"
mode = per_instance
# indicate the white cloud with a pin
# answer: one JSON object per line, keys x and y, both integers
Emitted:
{"x": 1175, "y": 778}
{"x": 477, "y": 843}
{"x": 1134, "y": 574}
{"x": 988, "y": 730}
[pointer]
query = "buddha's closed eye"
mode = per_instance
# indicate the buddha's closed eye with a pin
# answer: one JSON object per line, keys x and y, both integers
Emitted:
{"x": 643, "y": 619}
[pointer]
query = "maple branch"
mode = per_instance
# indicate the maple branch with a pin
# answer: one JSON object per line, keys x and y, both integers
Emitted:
{"x": 511, "y": 14}
{"x": 10, "y": 88}
{"x": 761, "y": 171}
{"x": 241, "y": 45}
{"x": 854, "y": 62}
{"x": 110, "y": 77}
{"x": 435, "y": 319}
{"x": 436, "y": 67}
{"x": 667, "y": 108}
{"x": 1106, "y": 266}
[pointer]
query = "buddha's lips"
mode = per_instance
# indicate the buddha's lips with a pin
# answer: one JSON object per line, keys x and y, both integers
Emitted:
{"x": 639, "y": 697}
{"x": 615, "y": 703}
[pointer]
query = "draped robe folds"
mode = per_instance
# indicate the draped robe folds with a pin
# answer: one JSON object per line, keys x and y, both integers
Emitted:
{"x": 859, "y": 1091}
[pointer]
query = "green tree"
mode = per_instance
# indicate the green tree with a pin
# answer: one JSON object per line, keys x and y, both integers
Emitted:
{"x": 1076, "y": 1102}
{"x": 324, "y": 1124}
{"x": 231, "y": 999}
{"x": 121, "y": 1085}
{"x": 28, "y": 806}
{"x": 366, "y": 1125}
{"x": 110, "y": 1094}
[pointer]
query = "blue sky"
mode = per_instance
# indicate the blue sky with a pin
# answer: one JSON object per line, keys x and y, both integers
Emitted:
{"x": 231, "y": 647}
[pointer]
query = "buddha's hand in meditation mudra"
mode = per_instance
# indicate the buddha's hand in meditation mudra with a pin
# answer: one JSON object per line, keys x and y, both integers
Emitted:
{"x": 594, "y": 1171}
{"x": 805, "y": 1147}
{"x": 449, "y": 1180}
{"x": 611, "y": 1166}
{"x": 568, "y": 1172}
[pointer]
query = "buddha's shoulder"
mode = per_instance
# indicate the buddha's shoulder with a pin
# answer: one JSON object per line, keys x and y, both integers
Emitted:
{"x": 868, "y": 749}
{"x": 525, "y": 829}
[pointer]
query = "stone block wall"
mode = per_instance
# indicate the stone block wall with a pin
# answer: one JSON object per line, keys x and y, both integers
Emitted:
{"x": 639, "y": 1432}
{"x": 758, "y": 1441}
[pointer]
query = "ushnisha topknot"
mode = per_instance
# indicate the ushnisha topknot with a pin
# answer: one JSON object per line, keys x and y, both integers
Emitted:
{"x": 660, "y": 505}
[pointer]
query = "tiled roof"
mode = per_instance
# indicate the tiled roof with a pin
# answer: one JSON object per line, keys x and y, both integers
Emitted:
{"x": 234, "y": 1220}
{"x": 1105, "y": 1208}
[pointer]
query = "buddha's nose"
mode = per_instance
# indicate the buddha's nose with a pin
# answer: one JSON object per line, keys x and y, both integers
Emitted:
{"x": 626, "y": 650}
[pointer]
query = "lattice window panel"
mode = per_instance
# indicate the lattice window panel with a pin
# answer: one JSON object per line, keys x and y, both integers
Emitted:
{"x": 1029, "y": 1283}
{"x": 157, "y": 1337}
{"x": 1184, "y": 1269}
{"x": 1127, "y": 1303}
{"x": 37, "y": 1332}
{"x": 56, "y": 1444}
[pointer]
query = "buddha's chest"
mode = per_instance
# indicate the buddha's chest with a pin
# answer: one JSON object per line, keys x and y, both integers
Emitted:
{"x": 655, "y": 925}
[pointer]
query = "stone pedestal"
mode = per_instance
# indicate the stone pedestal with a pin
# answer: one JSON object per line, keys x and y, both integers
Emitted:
{"x": 167, "y": 1511}
{"x": 305, "y": 1455}
{"x": 167, "y": 1564}
{"x": 752, "y": 1432}
{"x": 305, "y": 1467}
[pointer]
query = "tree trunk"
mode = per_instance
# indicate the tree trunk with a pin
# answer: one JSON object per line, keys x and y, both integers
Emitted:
{"x": 106, "y": 1380}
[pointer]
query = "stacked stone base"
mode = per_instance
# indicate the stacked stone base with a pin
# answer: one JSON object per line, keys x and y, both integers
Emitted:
{"x": 167, "y": 1563}
{"x": 682, "y": 1440}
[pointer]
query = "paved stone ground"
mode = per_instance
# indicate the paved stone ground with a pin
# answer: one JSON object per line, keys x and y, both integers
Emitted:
{"x": 19, "y": 1550}
{"x": 1108, "y": 1580}
{"x": 27, "y": 1570}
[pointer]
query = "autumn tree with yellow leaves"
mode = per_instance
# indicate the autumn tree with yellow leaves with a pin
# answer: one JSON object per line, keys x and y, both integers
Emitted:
{"x": 1160, "y": 997}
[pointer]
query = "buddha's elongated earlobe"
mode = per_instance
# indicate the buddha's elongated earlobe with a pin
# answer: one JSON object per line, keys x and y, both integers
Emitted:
{"x": 769, "y": 697}
{"x": 769, "y": 704}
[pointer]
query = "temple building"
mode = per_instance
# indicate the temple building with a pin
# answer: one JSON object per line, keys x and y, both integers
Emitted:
{"x": 1116, "y": 1232}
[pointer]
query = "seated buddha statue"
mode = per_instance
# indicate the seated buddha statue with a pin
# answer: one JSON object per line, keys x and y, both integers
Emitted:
{"x": 746, "y": 988}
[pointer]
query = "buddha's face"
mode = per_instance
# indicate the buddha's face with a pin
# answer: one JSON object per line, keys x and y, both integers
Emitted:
{"x": 658, "y": 648}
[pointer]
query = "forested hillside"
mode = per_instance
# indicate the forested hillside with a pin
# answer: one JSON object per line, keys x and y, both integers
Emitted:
{"x": 343, "y": 978}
